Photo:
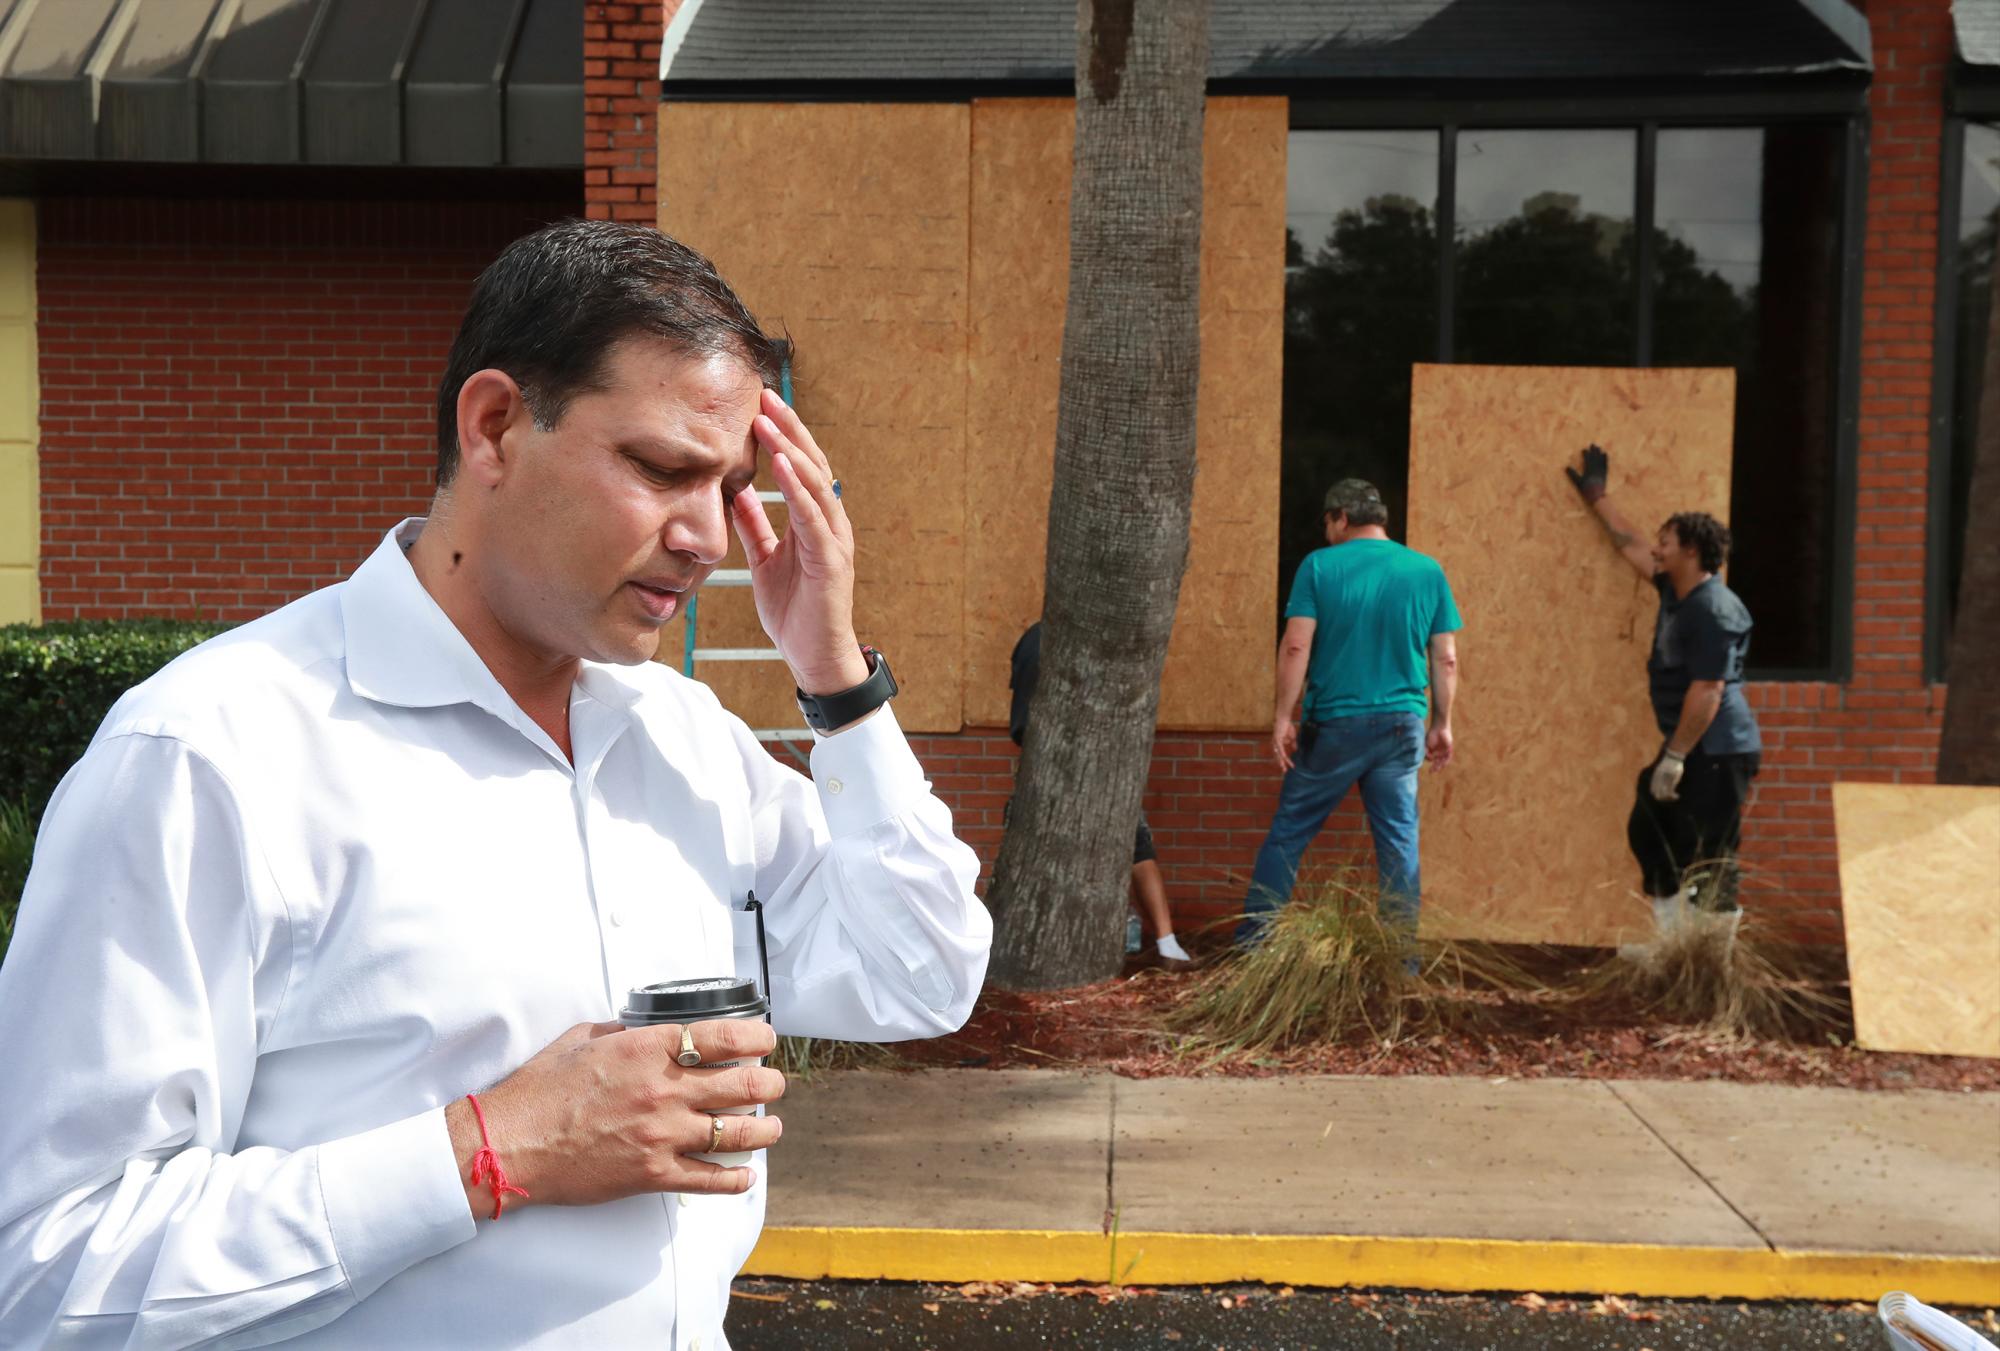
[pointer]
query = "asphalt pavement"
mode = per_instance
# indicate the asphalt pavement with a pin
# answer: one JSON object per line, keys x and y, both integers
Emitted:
{"x": 833, "y": 1316}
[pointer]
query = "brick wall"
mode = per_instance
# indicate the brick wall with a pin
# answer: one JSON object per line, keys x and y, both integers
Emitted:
{"x": 1883, "y": 724}
{"x": 237, "y": 395}
{"x": 621, "y": 106}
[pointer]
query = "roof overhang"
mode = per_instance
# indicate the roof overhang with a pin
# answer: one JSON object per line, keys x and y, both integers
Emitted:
{"x": 485, "y": 83}
{"x": 806, "y": 49}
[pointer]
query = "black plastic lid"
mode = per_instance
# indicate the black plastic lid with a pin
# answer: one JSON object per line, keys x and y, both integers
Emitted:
{"x": 690, "y": 1001}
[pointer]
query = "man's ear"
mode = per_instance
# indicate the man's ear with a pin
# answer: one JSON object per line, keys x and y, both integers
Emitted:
{"x": 489, "y": 406}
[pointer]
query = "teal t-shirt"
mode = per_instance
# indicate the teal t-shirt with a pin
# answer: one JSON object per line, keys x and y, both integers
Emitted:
{"x": 1377, "y": 606}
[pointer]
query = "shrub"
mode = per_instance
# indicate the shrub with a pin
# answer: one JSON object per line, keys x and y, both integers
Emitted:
{"x": 57, "y": 681}
{"x": 17, "y": 847}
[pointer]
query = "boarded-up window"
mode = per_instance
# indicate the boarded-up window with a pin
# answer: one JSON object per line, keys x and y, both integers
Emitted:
{"x": 1545, "y": 269}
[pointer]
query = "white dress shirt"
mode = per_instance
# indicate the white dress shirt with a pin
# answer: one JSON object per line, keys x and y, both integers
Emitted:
{"x": 320, "y": 877}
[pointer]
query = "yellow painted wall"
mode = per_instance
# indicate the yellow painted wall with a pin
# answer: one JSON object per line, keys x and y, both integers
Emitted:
{"x": 20, "y": 402}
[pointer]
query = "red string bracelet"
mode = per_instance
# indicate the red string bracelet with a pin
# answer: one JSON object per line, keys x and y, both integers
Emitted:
{"x": 486, "y": 1164}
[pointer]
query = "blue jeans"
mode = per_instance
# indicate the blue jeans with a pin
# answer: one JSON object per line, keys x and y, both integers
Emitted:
{"x": 1380, "y": 751}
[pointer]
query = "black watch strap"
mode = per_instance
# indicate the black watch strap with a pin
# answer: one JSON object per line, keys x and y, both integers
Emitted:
{"x": 824, "y": 712}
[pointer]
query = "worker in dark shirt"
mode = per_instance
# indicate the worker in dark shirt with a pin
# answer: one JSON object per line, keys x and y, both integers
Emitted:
{"x": 1149, "y": 888}
{"x": 1687, "y": 819}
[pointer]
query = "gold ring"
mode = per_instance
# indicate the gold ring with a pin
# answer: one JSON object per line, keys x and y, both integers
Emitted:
{"x": 714, "y": 1134}
{"x": 688, "y": 1056}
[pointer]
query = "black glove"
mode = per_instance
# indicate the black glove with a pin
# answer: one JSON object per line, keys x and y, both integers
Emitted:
{"x": 1590, "y": 484}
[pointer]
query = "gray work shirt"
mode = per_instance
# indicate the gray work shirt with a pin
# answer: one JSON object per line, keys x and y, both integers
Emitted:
{"x": 1704, "y": 635}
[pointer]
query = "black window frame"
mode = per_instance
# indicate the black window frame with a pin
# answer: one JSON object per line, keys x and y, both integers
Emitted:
{"x": 1971, "y": 95}
{"x": 1843, "y": 104}
{"x": 1944, "y": 391}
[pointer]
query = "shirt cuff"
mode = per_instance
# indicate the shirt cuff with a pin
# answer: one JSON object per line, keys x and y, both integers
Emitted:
{"x": 393, "y": 1198}
{"x": 866, "y": 774}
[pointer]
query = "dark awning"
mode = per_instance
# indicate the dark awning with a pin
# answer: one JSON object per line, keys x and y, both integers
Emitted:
{"x": 1975, "y": 75}
{"x": 334, "y": 82}
{"x": 769, "y": 48}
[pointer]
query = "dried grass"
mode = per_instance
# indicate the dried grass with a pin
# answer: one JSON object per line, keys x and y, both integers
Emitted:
{"x": 804, "y": 1059}
{"x": 1330, "y": 969}
{"x": 1709, "y": 978}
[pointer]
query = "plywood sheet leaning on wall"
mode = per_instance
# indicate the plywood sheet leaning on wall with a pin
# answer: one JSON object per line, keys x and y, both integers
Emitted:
{"x": 1920, "y": 894}
{"x": 1524, "y": 835}
{"x": 844, "y": 225}
{"x": 1219, "y": 663}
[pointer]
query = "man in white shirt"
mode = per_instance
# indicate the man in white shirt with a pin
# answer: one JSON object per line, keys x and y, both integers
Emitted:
{"x": 414, "y": 837}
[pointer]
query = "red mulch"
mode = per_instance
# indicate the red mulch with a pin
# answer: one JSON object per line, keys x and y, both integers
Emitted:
{"x": 1115, "y": 1026}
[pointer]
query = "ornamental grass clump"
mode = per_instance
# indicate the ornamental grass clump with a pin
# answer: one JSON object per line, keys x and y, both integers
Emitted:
{"x": 804, "y": 1059}
{"x": 1330, "y": 969}
{"x": 1715, "y": 973}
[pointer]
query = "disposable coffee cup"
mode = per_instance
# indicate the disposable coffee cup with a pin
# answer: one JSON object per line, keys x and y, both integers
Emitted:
{"x": 698, "y": 1001}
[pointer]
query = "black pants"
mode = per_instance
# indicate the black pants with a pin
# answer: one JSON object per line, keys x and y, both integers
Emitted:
{"x": 1694, "y": 839}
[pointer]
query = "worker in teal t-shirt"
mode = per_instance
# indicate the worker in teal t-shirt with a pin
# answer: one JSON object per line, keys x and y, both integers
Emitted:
{"x": 1368, "y": 644}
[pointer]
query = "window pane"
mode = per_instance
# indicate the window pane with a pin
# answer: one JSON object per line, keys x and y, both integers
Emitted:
{"x": 1545, "y": 247}
{"x": 1978, "y": 199}
{"x": 1361, "y": 262}
{"x": 1746, "y": 274}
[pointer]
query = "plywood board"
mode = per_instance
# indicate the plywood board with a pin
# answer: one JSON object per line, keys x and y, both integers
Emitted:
{"x": 1219, "y": 669}
{"x": 1524, "y": 836}
{"x": 1920, "y": 895}
{"x": 845, "y": 226}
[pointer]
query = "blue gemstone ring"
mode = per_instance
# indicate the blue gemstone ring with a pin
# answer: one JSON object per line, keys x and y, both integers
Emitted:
{"x": 836, "y": 487}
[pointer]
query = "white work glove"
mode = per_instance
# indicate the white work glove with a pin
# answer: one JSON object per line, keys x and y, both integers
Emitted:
{"x": 1667, "y": 777}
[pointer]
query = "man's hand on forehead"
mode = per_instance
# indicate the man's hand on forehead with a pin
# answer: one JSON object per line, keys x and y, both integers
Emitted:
{"x": 804, "y": 580}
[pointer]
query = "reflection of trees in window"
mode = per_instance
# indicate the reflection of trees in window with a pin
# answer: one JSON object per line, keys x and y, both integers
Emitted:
{"x": 1544, "y": 247}
{"x": 1550, "y": 287}
{"x": 1358, "y": 314}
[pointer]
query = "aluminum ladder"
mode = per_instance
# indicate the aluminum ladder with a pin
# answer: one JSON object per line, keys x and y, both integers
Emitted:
{"x": 790, "y": 737}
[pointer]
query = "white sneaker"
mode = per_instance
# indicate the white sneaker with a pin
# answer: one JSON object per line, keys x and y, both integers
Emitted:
{"x": 1670, "y": 912}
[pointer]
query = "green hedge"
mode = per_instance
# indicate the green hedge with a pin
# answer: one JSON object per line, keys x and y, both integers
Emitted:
{"x": 17, "y": 847}
{"x": 57, "y": 681}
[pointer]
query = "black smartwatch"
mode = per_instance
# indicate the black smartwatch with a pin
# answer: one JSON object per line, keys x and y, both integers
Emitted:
{"x": 824, "y": 712}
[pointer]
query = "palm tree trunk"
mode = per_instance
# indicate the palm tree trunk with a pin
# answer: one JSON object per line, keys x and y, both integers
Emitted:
{"x": 1969, "y": 747}
{"x": 1122, "y": 494}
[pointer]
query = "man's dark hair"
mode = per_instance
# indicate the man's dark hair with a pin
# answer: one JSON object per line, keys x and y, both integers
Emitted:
{"x": 1359, "y": 499}
{"x": 1701, "y": 532}
{"x": 554, "y": 303}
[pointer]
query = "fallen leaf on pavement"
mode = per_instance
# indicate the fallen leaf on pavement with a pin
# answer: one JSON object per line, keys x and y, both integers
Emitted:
{"x": 931, "y": 1308}
{"x": 824, "y": 1304}
{"x": 1531, "y": 1300}
{"x": 752, "y": 1294}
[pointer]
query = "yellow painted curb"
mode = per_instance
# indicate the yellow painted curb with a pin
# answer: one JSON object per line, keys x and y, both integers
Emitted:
{"x": 1444, "y": 1264}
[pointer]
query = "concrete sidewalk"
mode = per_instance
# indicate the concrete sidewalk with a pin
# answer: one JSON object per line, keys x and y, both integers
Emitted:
{"x": 1662, "y": 1189}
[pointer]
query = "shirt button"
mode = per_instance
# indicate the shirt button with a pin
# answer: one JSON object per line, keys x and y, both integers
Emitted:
{"x": 616, "y": 916}
{"x": 834, "y": 785}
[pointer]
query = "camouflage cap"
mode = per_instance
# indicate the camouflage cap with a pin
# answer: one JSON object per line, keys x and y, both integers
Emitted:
{"x": 1354, "y": 496}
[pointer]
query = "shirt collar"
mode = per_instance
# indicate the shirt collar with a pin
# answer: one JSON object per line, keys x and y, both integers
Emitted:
{"x": 403, "y": 649}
